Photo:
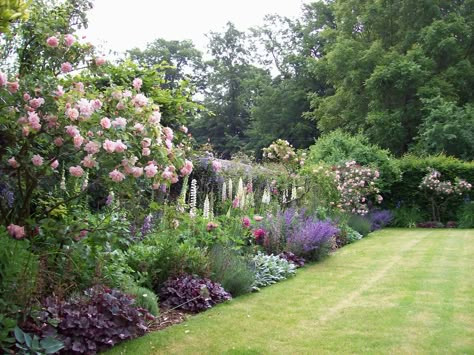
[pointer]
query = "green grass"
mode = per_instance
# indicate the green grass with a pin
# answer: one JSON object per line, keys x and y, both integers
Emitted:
{"x": 397, "y": 291}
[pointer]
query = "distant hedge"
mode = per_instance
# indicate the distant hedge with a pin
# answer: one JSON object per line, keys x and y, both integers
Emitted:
{"x": 413, "y": 168}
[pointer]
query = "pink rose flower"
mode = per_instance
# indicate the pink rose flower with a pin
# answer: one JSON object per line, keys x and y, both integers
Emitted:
{"x": 13, "y": 87}
{"x": 146, "y": 142}
{"x": 37, "y": 160}
{"x": 52, "y": 41}
{"x": 146, "y": 152}
{"x": 137, "y": 83}
{"x": 167, "y": 174}
{"x": 109, "y": 146}
{"x": 140, "y": 100}
{"x": 54, "y": 164}
{"x": 58, "y": 141}
{"x": 137, "y": 172}
{"x": 119, "y": 146}
{"x": 183, "y": 129}
{"x": 246, "y": 222}
{"x": 66, "y": 67}
{"x": 151, "y": 170}
{"x": 76, "y": 171}
{"x": 257, "y": 218}
{"x": 105, "y": 123}
{"x": 216, "y": 166}
{"x": 16, "y": 231}
{"x": 69, "y": 40}
{"x": 34, "y": 120}
{"x": 72, "y": 114}
{"x": 13, "y": 163}
{"x": 155, "y": 118}
{"x": 88, "y": 161}
{"x": 92, "y": 147}
{"x": 116, "y": 175}
{"x": 100, "y": 61}
{"x": 36, "y": 102}
{"x": 138, "y": 127}
{"x": 168, "y": 132}
{"x": 78, "y": 141}
{"x": 25, "y": 131}
{"x": 119, "y": 122}
{"x": 59, "y": 91}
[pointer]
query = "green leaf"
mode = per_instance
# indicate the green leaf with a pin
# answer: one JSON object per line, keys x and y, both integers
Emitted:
{"x": 51, "y": 345}
{"x": 19, "y": 335}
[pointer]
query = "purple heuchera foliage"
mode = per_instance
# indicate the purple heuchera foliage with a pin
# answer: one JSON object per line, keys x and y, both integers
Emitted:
{"x": 310, "y": 236}
{"x": 95, "y": 322}
{"x": 192, "y": 293}
{"x": 380, "y": 219}
{"x": 292, "y": 258}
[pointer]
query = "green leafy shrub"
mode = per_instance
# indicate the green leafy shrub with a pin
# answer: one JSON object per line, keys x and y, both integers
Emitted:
{"x": 145, "y": 298}
{"x": 360, "y": 224}
{"x": 466, "y": 215}
{"x": 414, "y": 168}
{"x": 162, "y": 256}
{"x": 270, "y": 269}
{"x": 233, "y": 271}
{"x": 407, "y": 217}
{"x": 338, "y": 147}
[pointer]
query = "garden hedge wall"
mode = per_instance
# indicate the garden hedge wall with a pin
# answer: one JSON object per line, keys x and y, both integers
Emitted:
{"x": 406, "y": 192}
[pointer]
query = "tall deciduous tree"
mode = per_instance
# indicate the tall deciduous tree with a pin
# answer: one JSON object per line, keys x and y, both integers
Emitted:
{"x": 387, "y": 59}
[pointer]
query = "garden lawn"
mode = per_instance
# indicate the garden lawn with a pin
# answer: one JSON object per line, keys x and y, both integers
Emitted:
{"x": 397, "y": 291}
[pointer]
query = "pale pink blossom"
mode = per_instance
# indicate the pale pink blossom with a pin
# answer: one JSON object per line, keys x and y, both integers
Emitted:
{"x": 59, "y": 91}
{"x": 26, "y": 96}
{"x": 183, "y": 129}
{"x": 140, "y": 100}
{"x": 69, "y": 40}
{"x": 96, "y": 104}
{"x": 36, "y": 102}
{"x": 72, "y": 131}
{"x": 3, "y": 79}
{"x": 13, "y": 163}
{"x": 25, "y": 131}
{"x": 34, "y": 120}
{"x": 72, "y": 114}
{"x": 109, "y": 146}
{"x": 187, "y": 168}
{"x": 137, "y": 172}
{"x": 168, "y": 132}
{"x": 16, "y": 231}
{"x": 216, "y": 166}
{"x": 119, "y": 122}
{"x": 168, "y": 144}
{"x": 92, "y": 147}
{"x": 13, "y": 87}
{"x": 146, "y": 142}
{"x": 151, "y": 170}
{"x": 257, "y": 218}
{"x": 120, "y": 106}
{"x": 137, "y": 83}
{"x": 58, "y": 141}
{"x": 116, "y": 175}
{"x": 76, "y": 171}
{"x": 119, "y": 146}
{"x": 105, "y": 123}
{"x": 146, "y": 152}
{"x": 86, "y": 107}
{"x": 54, "y": 164}
{"x": 52, "y": 41}
{"x": 66, "y": 67}
{"x": 78, "y": 141}
{"x": 100, "y": 61}
{"x": 138, "y": 127}
{"x": 155, "y": 118}
{"x": 89, "y": 161}
{"x": 127, "y": 94}
{"x": 117, "y": 95}
{"x": 37, "y": 160}
{"x": 167, "y": 174}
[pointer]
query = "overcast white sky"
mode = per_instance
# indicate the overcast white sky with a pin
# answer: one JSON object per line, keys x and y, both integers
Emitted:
{"x": 123, "y": 24}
